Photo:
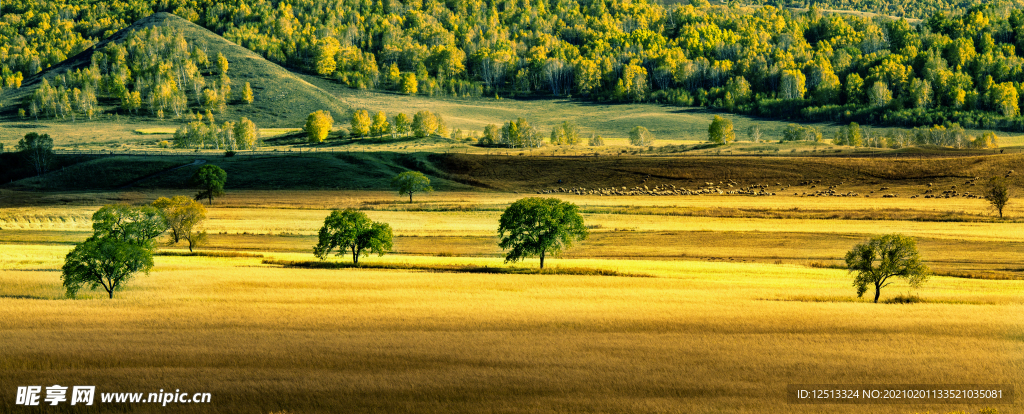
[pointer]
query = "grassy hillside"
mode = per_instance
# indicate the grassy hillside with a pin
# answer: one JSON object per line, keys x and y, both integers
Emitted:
{"x": 373, "y": 170}
{"x": 280, "y": 98}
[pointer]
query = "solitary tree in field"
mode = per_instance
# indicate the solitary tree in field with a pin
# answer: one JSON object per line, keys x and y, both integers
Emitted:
{"x": 997, "y": 192}
{"x": 411, "y": 182}
{"x": 884, "y": 258}
{"x": 353, "y": 231}
{"x": 183, "y": 217}
{"x": 640, "y": 137}
{"x": 38, "y": 150}
{"x": 538, "y": 226}
{"x": 720, "y": 131}
{"x": 754, "y": 133}
{"x": 210, "y": 180}
{"x": 318, "y": 124}
{"x": 122, "y": 245}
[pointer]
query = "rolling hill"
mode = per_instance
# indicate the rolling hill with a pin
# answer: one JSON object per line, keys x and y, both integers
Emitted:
{"x": 280, "y": 97}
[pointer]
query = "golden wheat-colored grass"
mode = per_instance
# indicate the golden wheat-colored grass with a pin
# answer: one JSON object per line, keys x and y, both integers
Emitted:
{"x": 699, "y": 337}
{"x": 478, "y": 223}
{"x": 703, "y": 337}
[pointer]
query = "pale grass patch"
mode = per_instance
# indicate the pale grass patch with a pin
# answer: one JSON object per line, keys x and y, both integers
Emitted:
{"x": 32, "y": 256}
{"x": 264, "y": 132}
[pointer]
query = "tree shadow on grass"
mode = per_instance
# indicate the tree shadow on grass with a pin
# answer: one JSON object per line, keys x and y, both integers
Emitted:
{"x": 26, "y": 297}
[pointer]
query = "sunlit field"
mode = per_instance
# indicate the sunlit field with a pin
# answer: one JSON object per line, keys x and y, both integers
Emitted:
{"x": 698, "y": 337}
{"x": 722, "y": 311}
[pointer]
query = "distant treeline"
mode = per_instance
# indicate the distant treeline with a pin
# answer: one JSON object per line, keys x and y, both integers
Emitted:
{"x": 962, "y": 67}
{"x": 911, "y": 9}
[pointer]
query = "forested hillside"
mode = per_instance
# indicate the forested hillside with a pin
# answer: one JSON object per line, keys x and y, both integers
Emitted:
{"x": 963, "y": 66}
{"x": 898, "y": 8}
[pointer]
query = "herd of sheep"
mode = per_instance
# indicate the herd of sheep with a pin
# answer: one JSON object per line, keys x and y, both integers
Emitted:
{"x": 731, "y": 187}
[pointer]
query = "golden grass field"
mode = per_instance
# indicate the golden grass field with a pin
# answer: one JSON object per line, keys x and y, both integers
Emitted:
{"x": 732, "y": 315}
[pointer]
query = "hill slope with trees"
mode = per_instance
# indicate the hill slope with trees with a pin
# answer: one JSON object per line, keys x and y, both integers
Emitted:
{"x": 165, "y": 66}
{"x": 958, "y": 67}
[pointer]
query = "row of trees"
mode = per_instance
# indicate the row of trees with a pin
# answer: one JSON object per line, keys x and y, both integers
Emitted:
{"x": 124, "y": 237}
{"x": 203, "y": 132}
{"x": 529, "y": 227}
{"x": 124, "y": 240}
{"x": 423, "y": 124}
{"x": 720, "y": 131}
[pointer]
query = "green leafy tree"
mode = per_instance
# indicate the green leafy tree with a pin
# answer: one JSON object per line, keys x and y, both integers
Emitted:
{"x": 520, "y": 134}
{"x": 492, "y": 134}
{"x": 122, "y": 245}
{"x": 879, "y": 95}
{"x": 351, "y": 230}
{"x": 318, "y": 124}
{"x": 920, "y": 93}
{"x": 183, "y": 217}
{"x": 569, "y": 133}
{"x": 402, "y": 124}
{"x": 246, "y": 134}
{"x": 883, "y": 259}
{"x": 854, "y": 89}
{"x": 721, "y": 131}
{"x": 556, "y": 136}
{"x": 38, "y": 150}
{"x": 997, "y": 193}
{"x": 792, "y": 85}
{"x": 849, "y": 135}
{"x": 411, "y": 182}
{"x": 640, "y": 137}
{"x": 538, "y": 226}
{"x": 210, "y": 180}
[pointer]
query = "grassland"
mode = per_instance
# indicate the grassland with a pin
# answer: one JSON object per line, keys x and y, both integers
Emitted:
{"x": 744, "y": 296}
{"x": 701, "y": 337}
{"x": 737, "y": 308}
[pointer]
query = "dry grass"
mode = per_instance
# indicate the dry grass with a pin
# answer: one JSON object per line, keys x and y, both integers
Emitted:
{"x": 169, "y": 130}
{"x": 733, "y": 229}
{"x": 720, "y": 327}
{"x": 700, "y": 338}
{"x": 483, "y": 223}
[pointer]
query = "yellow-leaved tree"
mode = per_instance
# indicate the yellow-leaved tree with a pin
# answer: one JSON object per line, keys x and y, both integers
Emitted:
{"x": 360, "y": 123}
{"x": 318, "y": 124}
{"x": 247, "y": 93}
